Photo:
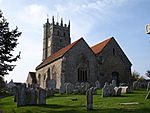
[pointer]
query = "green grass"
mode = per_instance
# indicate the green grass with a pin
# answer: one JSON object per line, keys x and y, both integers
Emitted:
{"x": 64, "y": 104}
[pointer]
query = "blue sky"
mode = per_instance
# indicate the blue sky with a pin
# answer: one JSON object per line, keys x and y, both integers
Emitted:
{"x": 95, "y": 20}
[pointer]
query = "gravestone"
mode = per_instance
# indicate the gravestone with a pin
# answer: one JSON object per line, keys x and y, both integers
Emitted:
{"x": 28, "y": 96}
{"x": 15, "y": 94}
{"x": 125, "y": 89}
{"x": 87, "y": 86}
{"x": 112, "y": 91}
{"x": 77, "y": 88}
{"x": 89, "y": 99}
{"x": 41, "y": 96}
{"x": 114, "y": 83}
{"x": 130, "y": 88}
{"x": 97, "y": 84}
{"x": 94, "y": 90}
{"x": 51, "y": 84}
{"x": 135, "y": 85}
{"x": 62, "y": 89}
{"x": 118, "y": 91}
{"x": 75, "y": 91}
{"x": 21, "y": 95}
{"x": 33, "y": 95}
{"x": 108, "y": 90}
{"x": 69, "y": 88}
{"x": 148, "y": 86}
{"x": 105, "y": 90}
{"x": 82, "y": 88}
{"x": 49, "y": 92}
{"x": 148, "y": 95}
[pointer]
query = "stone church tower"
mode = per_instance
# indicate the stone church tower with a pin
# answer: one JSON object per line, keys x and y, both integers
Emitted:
{"x": 56, "y": 37}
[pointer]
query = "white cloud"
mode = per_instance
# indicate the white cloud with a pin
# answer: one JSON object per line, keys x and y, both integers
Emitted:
{"x": 33, "y": 14}
{"x": 84, "y": 14}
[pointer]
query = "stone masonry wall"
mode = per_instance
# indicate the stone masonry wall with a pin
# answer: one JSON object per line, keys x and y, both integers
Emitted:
{"x": 112, "y": 59}
{"x": 74, "y": 57}
{"x": 55, "y": 73}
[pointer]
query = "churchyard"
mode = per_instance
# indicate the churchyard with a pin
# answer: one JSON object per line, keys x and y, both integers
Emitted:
{"x": 134, "y": 102}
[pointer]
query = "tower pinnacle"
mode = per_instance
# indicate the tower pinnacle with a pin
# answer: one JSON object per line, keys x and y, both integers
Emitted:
{"x": 53, "y": 22}
{"x": 61, "y": 22}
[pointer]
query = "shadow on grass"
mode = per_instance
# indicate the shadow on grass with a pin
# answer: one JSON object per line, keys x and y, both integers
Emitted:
{"x": 57, "y": 106}
{"x": 110, "y": 110}
{"x": 54, "y": 108}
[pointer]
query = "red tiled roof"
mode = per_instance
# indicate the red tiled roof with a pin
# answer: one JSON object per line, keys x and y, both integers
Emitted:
{"x": 57, "y": 55}
{"x": 99, "y": 47}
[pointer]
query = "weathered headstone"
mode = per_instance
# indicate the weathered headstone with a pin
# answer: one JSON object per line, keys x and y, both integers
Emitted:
{"x": 118, "y": 91}
{"x": 105, "y": 90}
{"x": 49, "y": 92}
{"x": 42, "y": 96}
{"x": 15, "y": 98}
{"x": 94, "y": 90}
{"x": 28, "y": 96}
{"x": 33, "y": 94}
{"x": 21, "y": 95}
{"x": 130, "y": 88}
{"x": 15, "y": 94}
{"x": 62, "y": 89}
{"x": 112, "y": 91}
{"x": 51, "y": 84}
{"x": 75, "y": 91}
{"x": 135, "y": 85}
{"x": 125, "y": 89}
{"x": 97, "y": 84}
{"x": 114, "y": 83}
{"x": 69, "y": 88}
{"x": 89, "y": 99}
{"x": 87, "y": 86}
{"x": 82, "y": 89}
{"x": 108, "y": 90}
{"x": 77, "y": 86}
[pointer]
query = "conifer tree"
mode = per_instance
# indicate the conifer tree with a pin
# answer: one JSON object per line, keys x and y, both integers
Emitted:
{"x": 8, "y": 41}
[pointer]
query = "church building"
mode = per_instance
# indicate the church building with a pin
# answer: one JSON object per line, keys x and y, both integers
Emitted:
{"x": 67, "y": 62}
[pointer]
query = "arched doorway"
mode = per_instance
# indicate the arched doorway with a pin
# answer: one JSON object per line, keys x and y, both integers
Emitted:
{"x": 115, "y": 76}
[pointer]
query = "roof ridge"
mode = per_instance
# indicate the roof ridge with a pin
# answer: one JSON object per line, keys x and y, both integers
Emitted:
{"x": 100, "y": 46}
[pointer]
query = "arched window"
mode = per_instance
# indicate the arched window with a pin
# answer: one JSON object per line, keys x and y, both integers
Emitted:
{"x": 82, "y": 68}
{"x": 82, "y": 75}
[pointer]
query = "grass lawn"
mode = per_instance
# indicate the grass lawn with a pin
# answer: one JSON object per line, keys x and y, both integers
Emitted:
{"x": 64, "y": 104}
